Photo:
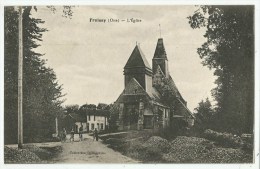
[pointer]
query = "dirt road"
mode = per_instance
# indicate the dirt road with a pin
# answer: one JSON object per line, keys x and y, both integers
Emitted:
{"x": 89, "y": 151}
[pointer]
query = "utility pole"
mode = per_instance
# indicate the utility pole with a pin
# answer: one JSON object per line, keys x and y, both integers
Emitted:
{"x": 20, "y": 81}
{"x": 57, "y": 127}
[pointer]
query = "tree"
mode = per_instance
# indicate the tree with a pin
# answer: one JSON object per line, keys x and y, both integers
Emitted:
{"x": 87, "y": 106}
{"x": 72, "y": 109}
{"x": 229, "y": 50}
{"x": 42, "y": 93}
{"x": 103, "y": 106}
{"x": 204, "y": 114}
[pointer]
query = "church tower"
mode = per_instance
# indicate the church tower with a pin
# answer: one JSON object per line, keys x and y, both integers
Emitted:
{"x": 138, "y": 67}
{"x": 160, "y": 58}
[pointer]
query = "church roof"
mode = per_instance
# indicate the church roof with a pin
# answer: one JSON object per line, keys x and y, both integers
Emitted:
{"x": 154, "y": 94}
{"x": 135, "y": 92}
{"x": 175, "y": 89}
{"x": 160, "y": 52}
{"x": 137, "y": 59}
{"x": 186, "y": 109}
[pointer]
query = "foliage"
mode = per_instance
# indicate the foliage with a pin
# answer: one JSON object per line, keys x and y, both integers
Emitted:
{"x": 168, "y": 95}
{"x": 229, "y": 50}
{"x": 87, "y": 106}
{"x": 41, "y": 91}
{"x": 103, "y": 106}
{"x": 225, "y": 139}
{"x": 204, "y": 115}
{"x": 72, "y": 108}
{"x": 229, "y": 140}
{"x": 114, "y": 117}
{"x": 164, "y": 87}
{"x": 67, "y": 11}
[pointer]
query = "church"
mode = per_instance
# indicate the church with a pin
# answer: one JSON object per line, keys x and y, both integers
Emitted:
{"x": 141, "y": 105}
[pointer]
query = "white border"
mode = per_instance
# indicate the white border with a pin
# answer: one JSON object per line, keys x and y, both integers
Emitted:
{"x": 132, "y": 2}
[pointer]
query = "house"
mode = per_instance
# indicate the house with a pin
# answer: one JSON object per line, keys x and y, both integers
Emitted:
{"x": 97, "y": 119}
{"x": 140, "y": 105}
{"x": 75, "y": 121}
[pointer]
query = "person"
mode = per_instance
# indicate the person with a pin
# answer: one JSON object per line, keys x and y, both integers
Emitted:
{"x": 72, "y": 135}
{"x": 95, "y": 134}
{"x": 63, "y": 135}
{"x": 80, "y": 133}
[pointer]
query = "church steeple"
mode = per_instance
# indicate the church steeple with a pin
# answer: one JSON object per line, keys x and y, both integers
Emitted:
{"x": 138, "y": 67}
{"x": 160, "y": 58}
{"x": 137, "y": 59}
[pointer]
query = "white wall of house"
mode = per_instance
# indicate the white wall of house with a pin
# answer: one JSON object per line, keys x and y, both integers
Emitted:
{"x": 97, "y": 122}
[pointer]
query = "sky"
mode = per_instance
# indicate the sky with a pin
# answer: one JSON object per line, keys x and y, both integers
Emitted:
{"x": 88, "y": 57}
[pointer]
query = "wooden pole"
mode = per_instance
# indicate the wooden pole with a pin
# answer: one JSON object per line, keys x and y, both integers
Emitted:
{"x": 57, "y": 128}
{"x": 20, "y": 81}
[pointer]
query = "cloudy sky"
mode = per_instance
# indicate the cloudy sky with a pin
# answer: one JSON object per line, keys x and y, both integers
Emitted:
{"x": 89, "y": 57}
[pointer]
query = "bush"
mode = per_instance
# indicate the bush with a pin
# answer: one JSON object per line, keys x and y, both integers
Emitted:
{"x": 12, "y": 155}
{"x": 225, "y": 139}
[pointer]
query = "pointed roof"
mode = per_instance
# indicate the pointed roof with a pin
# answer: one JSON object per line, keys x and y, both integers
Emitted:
{"x": 137, "y": 59}
{"x": 160, "y": 52}
{"x": 175, "y": 89}
{"x": 135, "y": 92}
{"x": 159, "y": 70}
{"x": 134, "y": 87}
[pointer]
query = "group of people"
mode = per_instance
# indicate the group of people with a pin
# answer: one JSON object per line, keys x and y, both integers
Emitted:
{"x": 63, "y": 135}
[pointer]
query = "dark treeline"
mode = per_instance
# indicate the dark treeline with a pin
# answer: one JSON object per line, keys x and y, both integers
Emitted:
{"x": 229, "y": 51}
{"x": 41, "y": 91}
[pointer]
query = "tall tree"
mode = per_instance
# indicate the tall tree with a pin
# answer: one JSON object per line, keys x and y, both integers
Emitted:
{"x": 42, "y": 93}
{"x": 72, "y": 109}
{"x": 229, "y": 50}
{"x": 204, "y": 115}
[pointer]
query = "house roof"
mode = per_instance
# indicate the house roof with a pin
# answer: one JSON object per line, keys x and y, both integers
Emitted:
{"x": 160, "y": 52}
{"x": 77, "y": 117}
{"x": 137, "y": 59}
{"x": 97, "y": 112}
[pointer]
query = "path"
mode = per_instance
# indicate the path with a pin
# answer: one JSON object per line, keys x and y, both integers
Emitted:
{"x": 89, "y": 151}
